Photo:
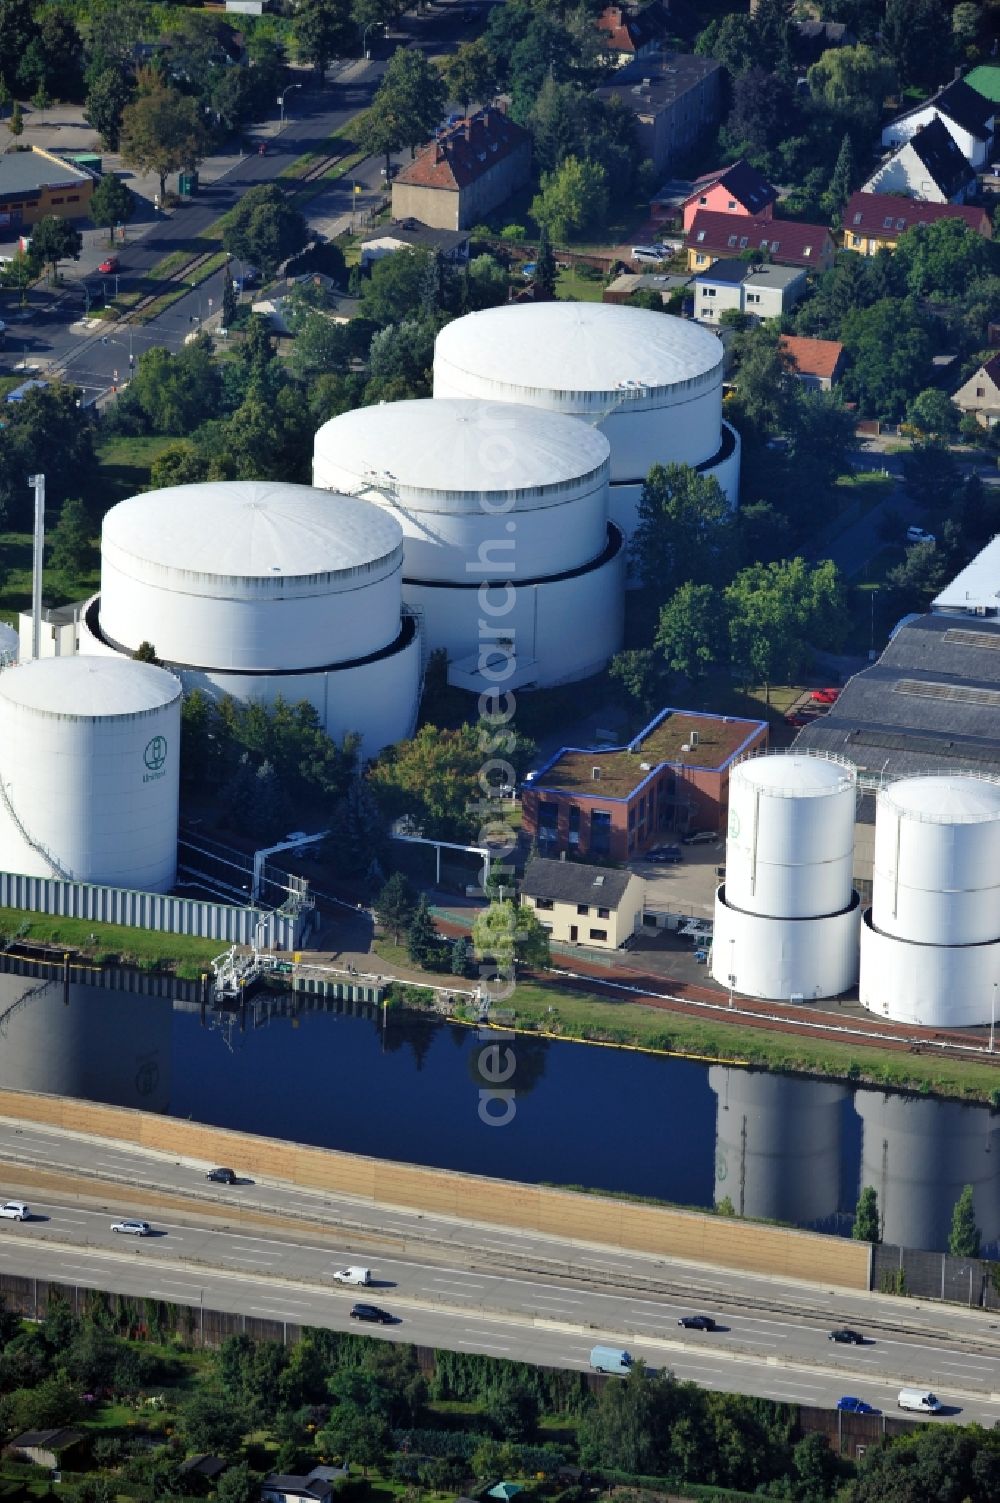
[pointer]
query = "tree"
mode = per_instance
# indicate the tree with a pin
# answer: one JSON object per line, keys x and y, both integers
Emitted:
{"x": 72, "y": 539}
{"x": 867, "y": 1223}
{"x": 176, "y": 392}
{"x": 509, "y": 932}
{"x": 437, "y": 778}
{"x": 108, "y": 95}
{"x": 916, "y": 34}
{"x": 685, "y": 532}
{"x": 690, "y": 632}
{"x": 852, "y": 82}
{"x": 162, "y": 132}
{"x": 396, "y": 905}
{"x": 762, "y": 107}
{"x": 210, "y": 1422}
{"x": 230, "y": 299}
{"x": 111, "y": 203}
{"x": 774, "y": 610}
{"x": 639, "y": 671}
{"x": 459, "y": 956}
{"x": 16, "y": 122}
{"x": 412, "y": 93}
{"x": 355, "y": 1436}
{"x": 842, "y": 180}
{"x": 815, "y": 1467}
{"x": 933, "y": 478}
{"x": 966, "y": 20}
{"x": 629, "y": 1426}
{"x": 933, "y": 412}
{"x": 358, "y": 831}
{"x": 545, "y": 267}
{"x": 265, "y": 228}
{"x": 146, "y": 653}
{"x": 733, "y": 41}
{"x": 766, "y": 386}
{"x": 965, "y": 1237}
{"x": 469, "y": 74}
{"x": 48, "y": 431}
{"x": 400, "y": 360}
{"x": 512, "y": 1408}
{"x": 236, "y": 1485}
{"x": 913, "y": 584}
{"x": 54, "y": 240}
{"x": 890, "y": 347}
{"x": 572, "y": 199}
{"x": 422, "y": 943}
{"x": 323, "y": 30}
{"x": 943, "y": 260}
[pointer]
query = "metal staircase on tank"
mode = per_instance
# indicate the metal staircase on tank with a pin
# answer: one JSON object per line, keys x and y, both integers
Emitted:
{"x": 23, "y": 1001}
{"x": 36, "y": 845}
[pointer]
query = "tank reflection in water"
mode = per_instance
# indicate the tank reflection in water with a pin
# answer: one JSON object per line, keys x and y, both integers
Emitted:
{"x": 85, "y": 1041}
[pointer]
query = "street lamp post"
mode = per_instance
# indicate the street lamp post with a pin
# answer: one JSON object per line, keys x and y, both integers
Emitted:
{"x": 993, "y": 1016}
{"x": 281, "y": 101}
{"x": 364, "y": 39}
{"x": 732, "y": 969}
{"x": 874, "y": 592}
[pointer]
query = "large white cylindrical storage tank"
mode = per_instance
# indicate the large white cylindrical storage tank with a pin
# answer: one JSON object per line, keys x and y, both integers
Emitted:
{"x": 97, "y": 1044}
{"x": 250, "y": 576}
{"x": 89, "y": 763}
{"x": 778, "y": 1145}
{"x": 790, "y": 846}
{"x": 785, "y": 960}
{"x": 919, "y": 1155}
{"x": 456, "y": 474}
{"x": 651, "y": 382}
{"x": 935, "y": 986}
{"x": 937, "y": 860}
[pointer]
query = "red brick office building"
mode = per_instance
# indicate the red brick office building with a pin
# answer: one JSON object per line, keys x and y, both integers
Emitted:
{"x": 616, "y": 802}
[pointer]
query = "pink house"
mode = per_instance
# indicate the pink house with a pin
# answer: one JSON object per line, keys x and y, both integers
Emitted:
{"x": 738, "y": 189}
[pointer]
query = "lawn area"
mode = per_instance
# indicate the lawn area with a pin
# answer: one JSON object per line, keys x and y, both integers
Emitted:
{"x": 125, "y": 465}
{"x": 15, "y": 585}
{"x": 181, "y": 953}
{"x": 570, "y": 284}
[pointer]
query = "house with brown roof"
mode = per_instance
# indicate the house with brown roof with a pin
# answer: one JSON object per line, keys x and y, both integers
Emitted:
{"x": 628, "y": 32}
{"x": 928, "y": 166}
{"x": 466, "y": 172}
{"x": 817, "y": 363}
{"x": 739, "y": 189}
{"x": 875, "y": 221}
{"x": 786, "y": 242}
{"x": 981, "y": 394}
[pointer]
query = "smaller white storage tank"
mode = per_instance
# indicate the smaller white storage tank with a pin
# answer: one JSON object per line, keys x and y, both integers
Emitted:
{"x": 937, "y": 861}
{"x": 89, "y": 764}
{"x": 790, "y": 848}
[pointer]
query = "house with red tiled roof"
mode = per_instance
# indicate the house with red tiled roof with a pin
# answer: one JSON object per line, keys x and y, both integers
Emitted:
{"x": 875, "y": 221}
{"x": 786, "y": 242}
{"x": 817, "y": 363}
{"x": 981, "y": 394}
{"x": 628, "y": 32}
{"x": 466, "y": 172}
{"x": 739, "y": 189}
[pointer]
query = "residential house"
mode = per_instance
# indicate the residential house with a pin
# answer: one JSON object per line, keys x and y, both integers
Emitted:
{"x": 466, "y": 172}
{"x": 587, "y": 905}
{"x": 47, "y": 1448}
{"x": 202, "y": 1472}
{"x": 966, "y": 115}
{"x": 928, "y": 166}
{"x": 628, "y": 32}
{"x": 810, "y": 39}
{"x": 817, "y": 363}
{"x": 624, "y": 287}
{"x": 981, "y": 394}
{"x": 675, "y": 98}
{"x": 617, "y": 801}
{"x": 739, "y": 189}
{"x": 875, "y": 221}
{"x": 786, "y": 242}
{"x": 761, "y": 291}
{"x": 315, "y": 1487}
{"x": 410, "y": 234}
{"x": 36, "y": 183}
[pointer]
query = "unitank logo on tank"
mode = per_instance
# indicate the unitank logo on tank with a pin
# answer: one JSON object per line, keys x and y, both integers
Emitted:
{"x": 154, "y": 757}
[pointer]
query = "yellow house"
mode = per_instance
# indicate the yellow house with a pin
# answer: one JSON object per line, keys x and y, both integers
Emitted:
{"x": 36, "y": 183}
{"x": 596, "y": 906}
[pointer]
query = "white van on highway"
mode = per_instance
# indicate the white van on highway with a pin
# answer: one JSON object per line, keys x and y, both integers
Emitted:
{"x": 920, "y": 1399}
{"x": 353, "y": 1275}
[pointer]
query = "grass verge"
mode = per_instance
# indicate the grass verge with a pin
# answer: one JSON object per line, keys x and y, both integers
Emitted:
{"x": 183, "y": 954}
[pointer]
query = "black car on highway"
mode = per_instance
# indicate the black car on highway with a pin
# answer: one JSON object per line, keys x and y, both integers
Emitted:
{"x": 372, "y": 1313}
{"x": 845, "y": 1335}
{"x": 697, "y": 1323}
{"x": 222, "y": 1176}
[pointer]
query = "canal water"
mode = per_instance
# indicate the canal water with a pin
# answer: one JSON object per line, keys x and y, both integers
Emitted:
{"x": 775, "y": 1146}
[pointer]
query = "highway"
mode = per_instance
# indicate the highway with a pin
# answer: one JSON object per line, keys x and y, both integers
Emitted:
{"x": 474, "y": 1287}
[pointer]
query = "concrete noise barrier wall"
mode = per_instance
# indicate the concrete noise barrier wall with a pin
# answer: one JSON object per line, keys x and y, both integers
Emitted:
{"x": 724, "y": 1243}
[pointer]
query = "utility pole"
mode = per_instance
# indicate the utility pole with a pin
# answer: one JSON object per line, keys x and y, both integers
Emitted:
{"x": 37, "y": 482}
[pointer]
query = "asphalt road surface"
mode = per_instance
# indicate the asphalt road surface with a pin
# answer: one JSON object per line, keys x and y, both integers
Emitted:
{"x": 474, "y": 1287}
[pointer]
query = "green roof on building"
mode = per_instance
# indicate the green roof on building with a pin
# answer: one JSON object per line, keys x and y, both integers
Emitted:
{"x": 986, "y": 81}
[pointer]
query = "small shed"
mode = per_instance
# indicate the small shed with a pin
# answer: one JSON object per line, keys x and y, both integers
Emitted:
{"x": 48, "y": 1448}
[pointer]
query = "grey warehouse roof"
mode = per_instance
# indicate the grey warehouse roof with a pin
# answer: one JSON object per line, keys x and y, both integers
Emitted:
{"x": 930, "y": 704}
{"x": 89, "y": 687}
{"x": 574, "y": 882}
{"x": 250, "y": 529}
{"x": 575, "y": 347}
{"x": 28, "y": 171}
{"x": 462, "y": 446}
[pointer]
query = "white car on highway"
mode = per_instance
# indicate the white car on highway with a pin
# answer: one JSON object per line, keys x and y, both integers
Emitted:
{"x": 15, "y": 1210}
{"x": 131, "y": 1228}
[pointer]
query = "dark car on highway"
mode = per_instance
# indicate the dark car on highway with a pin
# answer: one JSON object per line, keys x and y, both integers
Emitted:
{"x": 372, "y": 1313}
{"x": 222, "y": 1176}
{"x": 846, "y": 1335}
{"x": 697, "y": 1323}
{"x": 850, "y": 1405}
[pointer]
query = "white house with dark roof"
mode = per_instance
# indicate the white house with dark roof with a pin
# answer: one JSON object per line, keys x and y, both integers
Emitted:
{"x": 587, "y": 905}
{"x": 966, "y": 115}
{"x": 929, "y": 166}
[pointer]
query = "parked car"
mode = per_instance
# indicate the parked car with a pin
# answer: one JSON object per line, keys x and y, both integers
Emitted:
{"x": 796, "y": 717}
{"x": 845, "y": 1335}
{"x": 664, "y": 854}
{"x": 918, "y": 535}
{"x": 850, "y": 1405}
{"x": 700, "y": 837}
{"x": 15, "y": 1210}
{"x": 131, "y": 1228}
{"x": 372, "y": 1313}
{"x": 222, "y": 1176}
{"x": 110, "y": 263}
{"x": 697, "y": 1323}
{"x": 825, "y": 696}
{"x": 654, "y": 253}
